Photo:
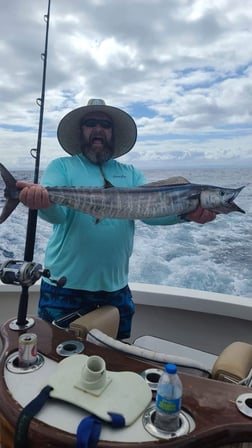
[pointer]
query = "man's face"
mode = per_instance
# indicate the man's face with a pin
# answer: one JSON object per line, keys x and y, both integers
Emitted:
{"x": 96, "y": 137}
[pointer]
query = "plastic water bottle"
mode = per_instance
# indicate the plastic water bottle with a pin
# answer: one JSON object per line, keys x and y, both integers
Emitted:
{"x": 168, "y": 400}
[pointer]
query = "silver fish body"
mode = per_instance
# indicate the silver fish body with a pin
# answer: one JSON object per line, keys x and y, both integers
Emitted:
{"x": 170, "y": 197}
{"x": 148, "y": 201}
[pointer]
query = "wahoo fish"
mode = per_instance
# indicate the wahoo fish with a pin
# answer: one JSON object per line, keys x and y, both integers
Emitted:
{"x": 171, "y": 197}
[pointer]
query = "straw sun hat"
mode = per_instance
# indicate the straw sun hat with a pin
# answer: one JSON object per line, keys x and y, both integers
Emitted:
{"x": 124, "y": 127}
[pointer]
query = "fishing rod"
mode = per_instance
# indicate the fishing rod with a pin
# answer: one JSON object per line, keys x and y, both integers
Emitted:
{"x": 33, "y": 214}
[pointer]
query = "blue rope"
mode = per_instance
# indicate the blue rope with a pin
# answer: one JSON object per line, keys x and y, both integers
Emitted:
{"x": 26, "y": 415}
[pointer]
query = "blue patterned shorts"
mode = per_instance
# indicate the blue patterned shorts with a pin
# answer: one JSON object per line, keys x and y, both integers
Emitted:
{"x": 56, "y": 302}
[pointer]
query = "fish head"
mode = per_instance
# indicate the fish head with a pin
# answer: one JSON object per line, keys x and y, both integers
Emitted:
{"x": 220, "y": 200}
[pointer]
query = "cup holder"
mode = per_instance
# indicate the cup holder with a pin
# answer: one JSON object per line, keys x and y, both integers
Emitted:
{"x": 12, "y": 364}
{"x": 68, "y": 348}
{"x": 244, "y": 404}
{"x": 151, "y": 377}
{"x": 187, "y": 424}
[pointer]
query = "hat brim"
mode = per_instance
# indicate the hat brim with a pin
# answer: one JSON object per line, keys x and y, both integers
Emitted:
{"x": 124, "y": 129}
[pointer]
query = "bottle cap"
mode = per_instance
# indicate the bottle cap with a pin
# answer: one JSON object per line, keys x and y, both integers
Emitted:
{"x": 170, "y": 368}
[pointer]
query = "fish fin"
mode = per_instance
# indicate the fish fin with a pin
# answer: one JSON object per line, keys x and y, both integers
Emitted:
{"x": 108, "y": 184}
{"x": 7, "y": 176}
{"x": 8, "y": 208}
{"x": 10, "y": 193}
{"x": 176, "y": 180}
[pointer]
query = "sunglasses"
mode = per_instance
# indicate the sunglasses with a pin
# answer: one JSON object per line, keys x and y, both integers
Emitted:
{"x": 93, "y": 122}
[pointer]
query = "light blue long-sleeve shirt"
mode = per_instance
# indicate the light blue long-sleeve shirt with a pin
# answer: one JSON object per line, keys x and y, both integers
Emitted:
{"x": 91, "y": 256}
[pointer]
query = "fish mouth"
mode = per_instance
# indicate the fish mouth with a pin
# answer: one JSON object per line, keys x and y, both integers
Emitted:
{"x": 232, "y": 204}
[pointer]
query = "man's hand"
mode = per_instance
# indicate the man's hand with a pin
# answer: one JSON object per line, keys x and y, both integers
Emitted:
{"x": 201, "y": 215}
{"x": 33, "y": 196}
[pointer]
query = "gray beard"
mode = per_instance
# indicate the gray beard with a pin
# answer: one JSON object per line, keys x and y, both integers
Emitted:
{"x": 98, "y": 158}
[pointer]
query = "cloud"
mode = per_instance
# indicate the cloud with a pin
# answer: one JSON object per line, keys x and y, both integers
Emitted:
{"x": 182, "y": 68}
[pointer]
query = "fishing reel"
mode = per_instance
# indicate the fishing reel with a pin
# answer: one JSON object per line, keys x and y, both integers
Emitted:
{"x": 25, "y": 273}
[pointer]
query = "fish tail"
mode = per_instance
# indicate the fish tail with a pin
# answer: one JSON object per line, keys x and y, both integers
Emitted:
{"x": 11, "y": 193}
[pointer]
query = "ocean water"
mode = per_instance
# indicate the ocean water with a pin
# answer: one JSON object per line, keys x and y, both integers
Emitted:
{"x": 213, "y": 257}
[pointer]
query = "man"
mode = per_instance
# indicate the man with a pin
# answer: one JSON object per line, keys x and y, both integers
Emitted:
{"x": 93, "y": 257}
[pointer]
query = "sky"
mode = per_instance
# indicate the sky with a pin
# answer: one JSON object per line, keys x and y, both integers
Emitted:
{"x": 181, "y": 68}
